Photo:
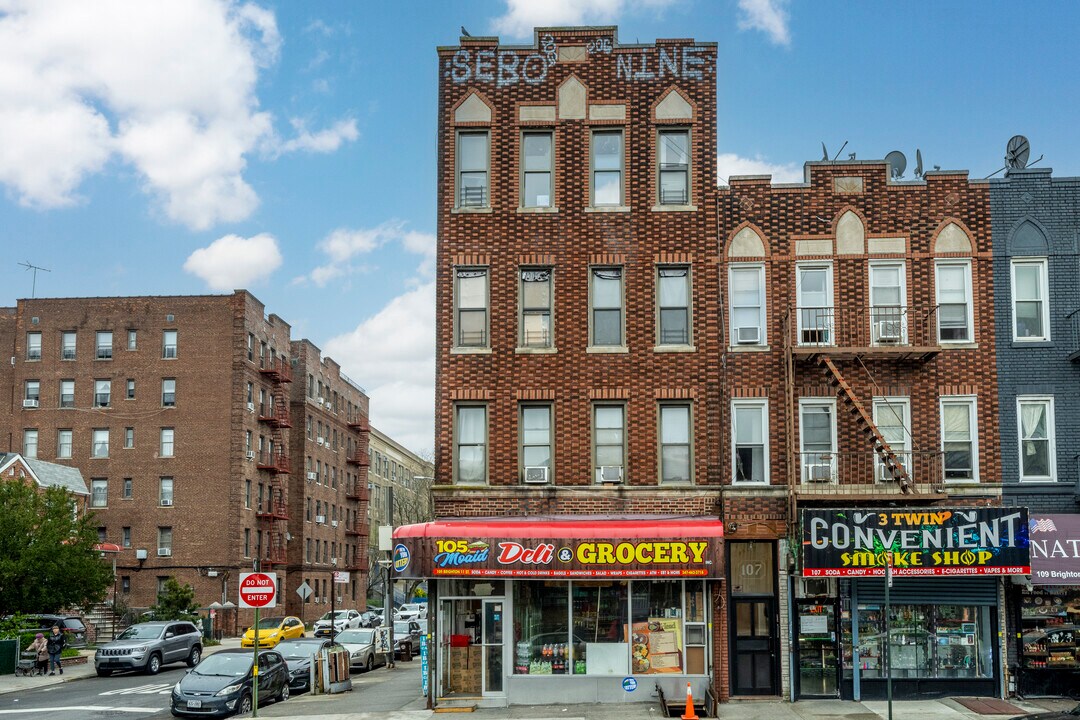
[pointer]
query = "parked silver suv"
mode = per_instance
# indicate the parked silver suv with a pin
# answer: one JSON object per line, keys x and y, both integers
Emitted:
{"x": 149, "y": 645}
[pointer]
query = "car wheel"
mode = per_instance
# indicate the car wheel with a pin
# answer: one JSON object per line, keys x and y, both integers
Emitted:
{"x": 284, "y": 694}
{"x": 244, "y": 706}
{"x": 195, "y": 656}
{"x": 370, "y": 664}
{"x": 104, "y": 673}
{"x": 153, "y": 665}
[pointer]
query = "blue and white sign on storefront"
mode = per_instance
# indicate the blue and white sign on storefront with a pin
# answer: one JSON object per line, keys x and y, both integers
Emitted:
{"x": 629, "y": 684}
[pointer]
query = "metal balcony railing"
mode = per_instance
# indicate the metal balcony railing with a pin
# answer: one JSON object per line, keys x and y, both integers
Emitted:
{"x": 867, "y": 468}
{"x": 277, "y": 369}
{"x": 897, "y": 329}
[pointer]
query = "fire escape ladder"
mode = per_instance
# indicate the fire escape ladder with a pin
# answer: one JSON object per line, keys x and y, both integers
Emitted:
{"x": 888, "y": 458}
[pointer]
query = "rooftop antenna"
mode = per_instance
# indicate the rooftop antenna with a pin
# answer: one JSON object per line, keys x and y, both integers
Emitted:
{"x": 897, "y": 164}
{"x": 1017, "y": 152}
{"x": 825, "y": 152}
{"x": 35, "y": 268}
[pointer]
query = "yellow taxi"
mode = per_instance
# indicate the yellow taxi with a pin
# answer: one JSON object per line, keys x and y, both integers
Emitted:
{"x": 273, "y": 630}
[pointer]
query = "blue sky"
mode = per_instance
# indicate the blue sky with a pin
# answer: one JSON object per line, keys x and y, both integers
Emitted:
{"x": 185, "y": 147}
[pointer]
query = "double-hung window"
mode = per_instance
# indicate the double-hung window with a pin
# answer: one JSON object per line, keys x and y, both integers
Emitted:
{"x": 955, "y": 319}
{"x": 470, "y": 441}
{"x": 168, "y": 344}
{"x": 1036, "y": 421}
{"x": 102, "y": 393}
{"x": 132, "y": 339}
{"x": 165, "y": 541}
{"x": 30, "y": 443}
{"x": 99, "y": 492}
{"x": 130, "y": 389}
{"x": 1031, "y": 314}
{"x": 472, "y": 169}
{"x": 33, "y": 346}
{"x": 67, "y": 346}
{"x": 165, "y": 491}
{"x": 471, "y": 295}
{"x": 675, "y": 465}
{"x": 814, "y": 293}
{"x": 31, "y": 393}
{"x": 673, "y": 298}
{"x": 606, "y": 300}
{"x": 99, "y": 447}
{"x": 168, "y": 392}
{"x": 749, "y": 430}
{"x": 168, "y": 436}
{"x": 104, "y": 345}
{"x": 63, "y": 444}
{"x": 67, "y": 393}
{"x": 674, "y": 177}
{"x": 536, "y": 300}
{"x": 609, "y": 442}
{"x": 817, "y": 439}
{"x": 892, "y": 415}
{"x": 958, "y": 438}
{"x": 888, "y": 315}
{"x": 536, "y": 169}
{"x": 536, "y": 443}
{"x": 607, "y": 167}
{"x": 747, "y": 296}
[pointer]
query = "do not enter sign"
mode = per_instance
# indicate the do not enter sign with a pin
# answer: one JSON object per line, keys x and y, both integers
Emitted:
{"x": 258, "y": 590}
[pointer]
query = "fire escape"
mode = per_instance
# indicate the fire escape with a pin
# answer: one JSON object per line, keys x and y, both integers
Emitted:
{"x": 358, "y": 492}
{"x": 272, "y": 512}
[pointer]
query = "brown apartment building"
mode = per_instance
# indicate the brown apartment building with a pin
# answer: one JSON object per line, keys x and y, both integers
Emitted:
{"x": 187, "y": 417}
{"x": 577, "y": 539}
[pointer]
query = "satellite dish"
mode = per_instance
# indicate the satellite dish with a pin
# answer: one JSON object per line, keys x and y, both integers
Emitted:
{"x": 1017, "y": 152}
{"x": 918, "y": 163}
{"x": 898, "y": 164}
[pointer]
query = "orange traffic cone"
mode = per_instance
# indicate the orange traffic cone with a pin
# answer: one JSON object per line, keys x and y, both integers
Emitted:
{"x": 689, "y": 714}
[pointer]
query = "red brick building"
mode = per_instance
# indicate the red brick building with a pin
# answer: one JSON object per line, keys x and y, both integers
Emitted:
{"x": 179, "y": 413}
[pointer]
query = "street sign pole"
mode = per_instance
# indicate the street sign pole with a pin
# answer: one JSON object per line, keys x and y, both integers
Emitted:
{"x": 888, "y": 637}
{"x": 257, "y": 590}
{"x": 255, "y": 671}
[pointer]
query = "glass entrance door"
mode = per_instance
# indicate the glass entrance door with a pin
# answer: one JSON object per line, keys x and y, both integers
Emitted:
{"x": 819, "y": 667}
{"x": 492, "y": 640}
{"x": 755, "y": 653}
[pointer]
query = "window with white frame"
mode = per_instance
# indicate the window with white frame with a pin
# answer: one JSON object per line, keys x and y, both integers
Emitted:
{"x": 33, "y": 346}
{"x": 31, "y": 392}
{"x": 99, "y": 492}
{"x": 132, "y": 339}
{"x": 168, "y": 392}
{"x": 127, "y": 489}
{"x": 958, "y": 438}
{"x": 473, "y": 185}
{"x": 888, "y": 314}
{"x": 1030, "y": 295}
{"x": 609, "y": 442}
{"x": 955, "y": 319}
{"x": 750, "y": 441}
{"x": 606, "y": 302}
{"x": 536, "y": 300}
{"x": 165, "y": 491}
{"x": 167, "y": 442}
{"x": 168, "y": 344}
{"x": 67, "y": 393}
{"x": 673, "y": 300}
{"x": 63, "y": 443}
{"x": 165, "y": 541}
{"x": 537, "y": 162}
{"x": 536, "y": 465}
{"x": 607, "y": 167}
{"x": 470, "y": 444}
{"x": 675, "y": 433}
{"x": 1036, "y": 424}
{"x": 130, "y": 389}
{"x": 673, "y": 151}
{"x": 102, "y": 393}
{"x": 125, "y": 537}
{"x": 814, "y": 297}
{"x": 746, "y": 293}
{"x": 471, "y": 296}
{"x": 129, "y": 438}
{"x": 30, "y": 443}
{"x": 892, "y": 415}
{"x": 67, "y": 346}
{"x": 104, "y": 345}
{"x": 99, "y": 447}
{"x": 817, "y": 439}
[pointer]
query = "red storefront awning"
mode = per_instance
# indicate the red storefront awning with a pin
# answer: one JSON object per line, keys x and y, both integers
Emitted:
{"x": 573, "y": 547}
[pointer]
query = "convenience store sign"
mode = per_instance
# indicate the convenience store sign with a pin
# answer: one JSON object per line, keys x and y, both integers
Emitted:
{"x": 922, "y": 542}
{"x": 562, "y": 557}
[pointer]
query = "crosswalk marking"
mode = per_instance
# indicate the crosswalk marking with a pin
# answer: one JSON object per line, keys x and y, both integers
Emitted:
{"x": 153, "y": 689}
{"x": 82, "y": 708}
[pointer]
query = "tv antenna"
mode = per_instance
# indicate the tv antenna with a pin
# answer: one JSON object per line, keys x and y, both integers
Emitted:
{"x": 825, "y": 152}
{"x": 35, "y": 268}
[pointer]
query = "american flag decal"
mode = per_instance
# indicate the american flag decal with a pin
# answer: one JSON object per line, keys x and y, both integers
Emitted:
{"x": 1045, "y": 525}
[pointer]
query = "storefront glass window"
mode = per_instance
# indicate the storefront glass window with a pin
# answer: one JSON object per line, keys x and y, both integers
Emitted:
{"x": 1051, "y": 638}
{"x": 656, "y": 624}
{"x": 541, "y": 629}
{"x": 473, "y": 588}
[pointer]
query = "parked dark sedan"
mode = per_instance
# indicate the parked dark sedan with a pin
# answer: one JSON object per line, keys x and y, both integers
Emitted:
{"x": 299, "y": 654}
{"x": 221, "y": 684}
{"x": 406, "y": 638}
{"x": 1055, "y": 715}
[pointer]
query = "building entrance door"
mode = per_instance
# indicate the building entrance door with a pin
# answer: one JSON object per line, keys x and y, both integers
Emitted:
{"x": 818, "y": 656}
{"x": 754, "y": 661}
{"x": 492, "y": 639}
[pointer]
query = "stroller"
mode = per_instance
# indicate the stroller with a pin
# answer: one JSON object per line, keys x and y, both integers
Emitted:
{"x": 29, "y": 665}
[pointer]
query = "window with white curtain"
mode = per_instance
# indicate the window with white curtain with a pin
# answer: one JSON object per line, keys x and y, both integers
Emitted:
{"x": 1036, "y": 416}
{"x": 958, "y": 438}
{"x": 750, "y": 441}
{"x": 99, "y": 448}
{"x": 63, "y": 443}
{"x": 536, "y": 440}
{"x": 30, "y": 443}
{"x": 675, "y": 466}
{"x": 102, "y": 393}
{"x": 470, "y": 433}
{"x": 609, "y": 442}
{"x": 536, "y": 169}
{"x": 1030, "y": 300}
{"x": 954, "y": 301}
{"x": 746, "y": 293}
{"x": 607, "y": 166}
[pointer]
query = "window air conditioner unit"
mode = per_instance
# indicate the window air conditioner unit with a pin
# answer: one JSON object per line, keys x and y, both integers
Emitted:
{"x": 748, "y": 335}
{"x": 320, "y": 519}
{"x": 884, "y": 474}
{"x": 609, "y": 474}
{"x": 140, "y": 554}
{"x": 333, "y": 523}
{"x": 29, "y": 403}
{"x": 319, "y": 441}
{"x": 166, "y": 502}
{"x": 250, "y": 454}
{"x": 311, "y": 476}
{"x": 164, "y": 552}
{"x": 316, "y": 599}
{"x": 812, "y": 587}
{"x": 536, "y": 475}
{"x": 251, "y": 407}
{"x": 322, "y": 401}
{"x": 333, "y": 561}
{"x": 889, "y": 331}
{"x": 819, "y": 473}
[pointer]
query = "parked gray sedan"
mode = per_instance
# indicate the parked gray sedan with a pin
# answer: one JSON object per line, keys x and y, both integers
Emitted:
{"x": 361, "y": 646}
{"x": 149, "y": 645}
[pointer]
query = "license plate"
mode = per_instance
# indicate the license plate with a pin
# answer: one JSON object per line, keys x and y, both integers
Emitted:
{"x": 194, "y": 704}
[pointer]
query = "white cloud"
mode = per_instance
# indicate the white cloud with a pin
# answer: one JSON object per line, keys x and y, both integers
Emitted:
{"x": 232, "y": 262}
{"x": 392, "y": 354}
{"x": 84, "y": 83}
{"x": 728, "y": 164}
{"x": 769, "y": 16}
{"x": 523, "y": 15}
{"x": 345, "y": 244}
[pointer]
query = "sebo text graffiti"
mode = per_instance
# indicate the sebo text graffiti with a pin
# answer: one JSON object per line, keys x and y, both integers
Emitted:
{"x": 506, "y": 67}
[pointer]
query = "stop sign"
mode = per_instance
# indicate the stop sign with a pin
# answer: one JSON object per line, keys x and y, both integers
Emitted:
{"x": 258, "y": 590}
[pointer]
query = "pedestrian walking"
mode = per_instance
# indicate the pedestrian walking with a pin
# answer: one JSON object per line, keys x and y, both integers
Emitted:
{"x": 55, "y": 645}
{"x": 41, "y": 653}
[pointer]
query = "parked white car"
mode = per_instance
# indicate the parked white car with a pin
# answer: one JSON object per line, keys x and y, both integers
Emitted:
{"x": 411, "y": 611}
{"x": 342, "y": 620}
